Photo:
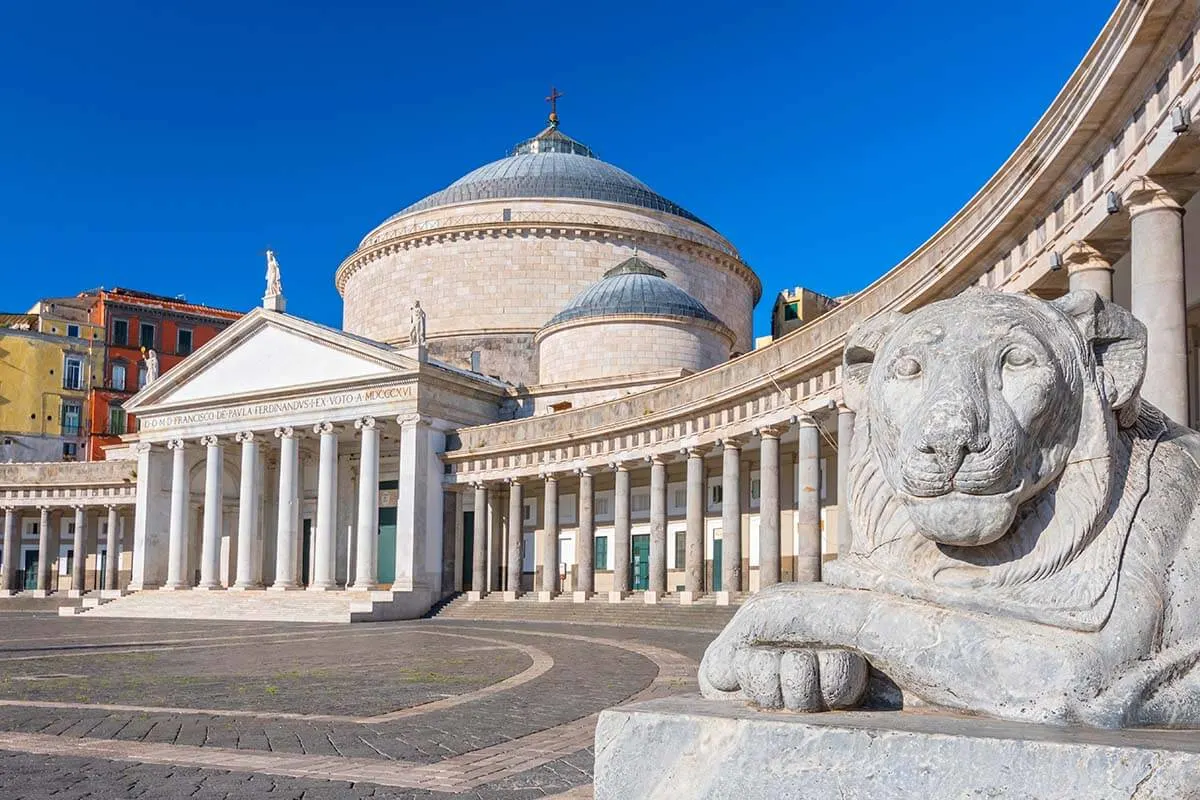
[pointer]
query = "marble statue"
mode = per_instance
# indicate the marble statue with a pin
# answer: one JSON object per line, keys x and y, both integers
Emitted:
{"x": 416, "y": 327}
{"x": 274, "y": 283}
{"x": 151, "y": 367}
{"x": 1025, "y": 534}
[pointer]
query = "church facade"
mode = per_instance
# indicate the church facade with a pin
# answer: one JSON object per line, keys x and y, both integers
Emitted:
{"x": 612, "y": 435}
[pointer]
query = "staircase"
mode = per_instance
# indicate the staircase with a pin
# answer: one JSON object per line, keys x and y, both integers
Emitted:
{"x": 298, "y": 606}
{"x": 704, "y": 614}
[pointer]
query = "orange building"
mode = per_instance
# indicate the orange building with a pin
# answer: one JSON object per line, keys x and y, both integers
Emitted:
{"x": 135, "y": 323}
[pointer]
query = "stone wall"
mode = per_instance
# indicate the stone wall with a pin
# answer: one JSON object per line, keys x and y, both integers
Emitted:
{"x": 612, "y": 347}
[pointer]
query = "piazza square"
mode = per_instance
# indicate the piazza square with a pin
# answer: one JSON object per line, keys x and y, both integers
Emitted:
{"x": 544, "y": 518}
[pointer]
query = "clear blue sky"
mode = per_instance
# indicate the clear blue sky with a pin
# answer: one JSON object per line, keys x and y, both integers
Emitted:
{"x": 164, "y": 146}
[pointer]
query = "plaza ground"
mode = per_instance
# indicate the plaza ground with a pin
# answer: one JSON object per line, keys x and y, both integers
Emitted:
{"x": 425, "y": 709}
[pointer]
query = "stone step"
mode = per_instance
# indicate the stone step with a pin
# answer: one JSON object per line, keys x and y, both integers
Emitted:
{"x": 633, "y": 610}
{"x": 299, "y": 606}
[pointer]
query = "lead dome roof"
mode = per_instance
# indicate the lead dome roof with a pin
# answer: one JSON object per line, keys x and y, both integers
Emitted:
{"x": 634, "y": 287}
{"x": 551, "y": 164}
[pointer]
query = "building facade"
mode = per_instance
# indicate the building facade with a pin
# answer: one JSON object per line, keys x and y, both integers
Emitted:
{"x": 493, "y": 448}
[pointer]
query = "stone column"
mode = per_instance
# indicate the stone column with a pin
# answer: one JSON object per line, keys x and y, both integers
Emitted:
{"x": 79, "y": 548}
{"x": 516, "y": 527}
{"x": 214, "y": 499}
{"x": 585, "y": 540}
{"x": 808, "y": 502}
{"x": 1087, "y": 268}
{"x": 621, "y": 535}
{"x": 693, "y": 579}
{"x": 44, "y": 543}
{"x": 768, "y": 506}
{"x": 112, "y": 561}
{"x": 845, "y": 438}
{"x": 177, "y": 547}
{"x": 1157, "y": 295}
{"x": 12, "y": 552}
{"x": 550, "y": 542}
{"x": 366, "y": 568}
{"x": 658, "y": 531}
{"x": 287, "y": 525}
{"x": 247, "y": 530}
{"x": 479, "y": 545}
{"x": 323, "y": 579}
{"x": 731, "y": 520}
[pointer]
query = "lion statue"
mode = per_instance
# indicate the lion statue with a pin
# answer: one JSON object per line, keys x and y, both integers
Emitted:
{"x": 1025, "y": 542}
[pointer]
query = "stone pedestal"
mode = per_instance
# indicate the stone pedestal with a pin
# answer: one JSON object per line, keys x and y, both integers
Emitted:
{"x": 687, "y": 747}
{"x": 545, "y": 597}
{"x": 723, "y": 598}
{"x": 474, "y": 597}
{"x": 580, "y": 597}
{"x": 74, "y": 594}
{"x": 616, "y": 597}
{"x": 651, "y": 598}
{"x": 39, "y": 593}
{"x": 509, "y": 597}
{"x": 687, "y": 598}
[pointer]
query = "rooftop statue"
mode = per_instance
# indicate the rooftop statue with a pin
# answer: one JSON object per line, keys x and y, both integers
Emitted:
{"x": 151, "y": 366}
{"x": 1025, "y": 541}
{"x": 274, "y": 282}
{"x": 416, "y": 325}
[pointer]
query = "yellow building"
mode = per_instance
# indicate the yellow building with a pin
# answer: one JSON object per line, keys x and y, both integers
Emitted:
{"x": 796, "y": 307}
{"x": 45, "y": 375}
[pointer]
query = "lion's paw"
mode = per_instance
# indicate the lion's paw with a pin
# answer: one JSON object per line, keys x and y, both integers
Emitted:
{"x": 800, "y": 679}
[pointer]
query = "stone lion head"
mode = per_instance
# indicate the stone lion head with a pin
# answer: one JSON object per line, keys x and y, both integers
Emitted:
{"x": 972, "y": 409}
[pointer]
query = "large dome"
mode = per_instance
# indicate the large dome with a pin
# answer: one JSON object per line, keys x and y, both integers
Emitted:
{"x": 551, "y": 164}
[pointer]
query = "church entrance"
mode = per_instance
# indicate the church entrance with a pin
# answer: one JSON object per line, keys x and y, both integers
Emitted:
{"x": 641, "y": 562}
{"x": 385, "y": 565}
{"x": 716, "y": 566}
{"x": 305, "y": 552}
{"x": 31, "y": 569}
{"x": 468, "y": 549}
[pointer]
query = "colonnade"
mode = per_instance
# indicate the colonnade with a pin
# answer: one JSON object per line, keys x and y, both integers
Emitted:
{"x": 807, "y": 509}
{"x": 250, "y": 539}
{"x": 49, "y": 539}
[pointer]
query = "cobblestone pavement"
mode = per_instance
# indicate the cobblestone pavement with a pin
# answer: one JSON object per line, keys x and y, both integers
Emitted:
{"x": 428, "y": 709}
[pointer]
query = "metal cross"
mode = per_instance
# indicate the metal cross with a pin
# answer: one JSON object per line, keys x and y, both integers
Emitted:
{"x": 552, "y": 99}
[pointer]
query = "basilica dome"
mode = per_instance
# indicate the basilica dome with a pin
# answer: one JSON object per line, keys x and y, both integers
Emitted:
{"x": 497, "y": 254}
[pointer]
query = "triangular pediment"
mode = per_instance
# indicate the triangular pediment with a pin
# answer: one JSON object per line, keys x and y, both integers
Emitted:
{"x": 266, "y": 353}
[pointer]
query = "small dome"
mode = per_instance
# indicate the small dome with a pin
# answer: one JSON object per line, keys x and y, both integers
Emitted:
{"x": 550, "y": 164}
{"x": 634, "y": 287}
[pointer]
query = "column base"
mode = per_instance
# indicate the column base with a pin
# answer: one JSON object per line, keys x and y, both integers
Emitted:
{"x": 7, "y": 593}
{"x": 510, "y": 597}
{"x": 545, "y": 597}
{"x": 75, "y": 594}
{"x": 215, "y": 588}
{"x": 617, "y": 597}
{"x": 183, "y": 587}
{"x": 688, "y": 598}
{"x": 250, "y": 588}
{"x": 651, "y": 598}
{"x": 363, "y": 587}
{"x": 113, "y": 594}
{"x": 580, "y": 597}
{"x": 474, "y": 596}
{"x": 39, "y": 593}
{"x": 724, "y": 598}
{"x": 315, "y": 588}
{"x": 285, "y": 587}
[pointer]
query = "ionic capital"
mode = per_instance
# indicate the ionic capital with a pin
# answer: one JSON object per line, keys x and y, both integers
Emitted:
{"x": 1144, "y": 194}
{"x": 699, "y": 451}
{"x": 411, "y": 420}
{"x": 364, "y": 424}
{"x": 210, "y": 441}
{"x": 175, "y": 444}
{"x": 807, "y": 421}
{"x": 323, "y": 428}
{"x": 733, "y": 442}
{"x": 773, "y": 431}
{"x": 1081, "y": 256}
{"x": 244, "y": 437}
{"x": 285, "y": 432}
{"x": 142, "y": 447}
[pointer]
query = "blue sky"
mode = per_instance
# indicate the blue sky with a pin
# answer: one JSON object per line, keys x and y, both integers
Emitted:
{"x": 164, "y": 146}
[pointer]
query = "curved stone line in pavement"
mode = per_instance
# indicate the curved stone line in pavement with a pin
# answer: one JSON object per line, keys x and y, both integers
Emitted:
{"x": 541, "y": 663}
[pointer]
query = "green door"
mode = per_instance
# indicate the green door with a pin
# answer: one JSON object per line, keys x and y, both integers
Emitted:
{"x": 641, "y": 563}
{"x": 468, "y": 559}
{"x": 716, "y": 580}
{"x": 386, "y": 566}
{"x": 31, "y": 569}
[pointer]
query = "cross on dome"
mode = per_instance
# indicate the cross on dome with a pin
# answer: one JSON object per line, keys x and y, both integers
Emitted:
{"x": 552, "y": 99}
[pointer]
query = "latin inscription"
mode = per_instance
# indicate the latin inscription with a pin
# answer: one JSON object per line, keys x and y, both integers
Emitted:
{"x": 278, "y": 407}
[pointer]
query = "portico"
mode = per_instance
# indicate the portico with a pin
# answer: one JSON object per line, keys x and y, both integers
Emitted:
{"x": 262, "y": 462}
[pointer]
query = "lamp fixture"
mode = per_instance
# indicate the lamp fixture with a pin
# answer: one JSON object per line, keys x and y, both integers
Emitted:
{"x": 1055, "y": 261}
{"x": 1180, "y": 119}
{"x": 1113, "y": 201}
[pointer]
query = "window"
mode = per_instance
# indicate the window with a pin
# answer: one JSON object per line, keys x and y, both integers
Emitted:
{"x": 73, "y": 372}
{"x": 120, "y": 332}
{"x": 118, "y": 375}
{"x": 639, "y": 502}
{"x": 141, "y": 376}
{"x": 601, "y": 552}
{"x": 146, "y": 336}
{"x": 70, "y": 451}
{"x": 791, "y": 311}
{"x": 71, "y": 414}
{"x": 755, "y": 488}
{"x": 183, "y": 342}
{"x": 73, "y": 331}
{"x": 116, "y": 420}
{"x": 530, "y": 511}
{"x": 566, "y": 509}
{"x": 715, "y": 494}
{"x": 680, "y": 549}
{"x": 677, "y": 492}
{"x": 604, "y": 505}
